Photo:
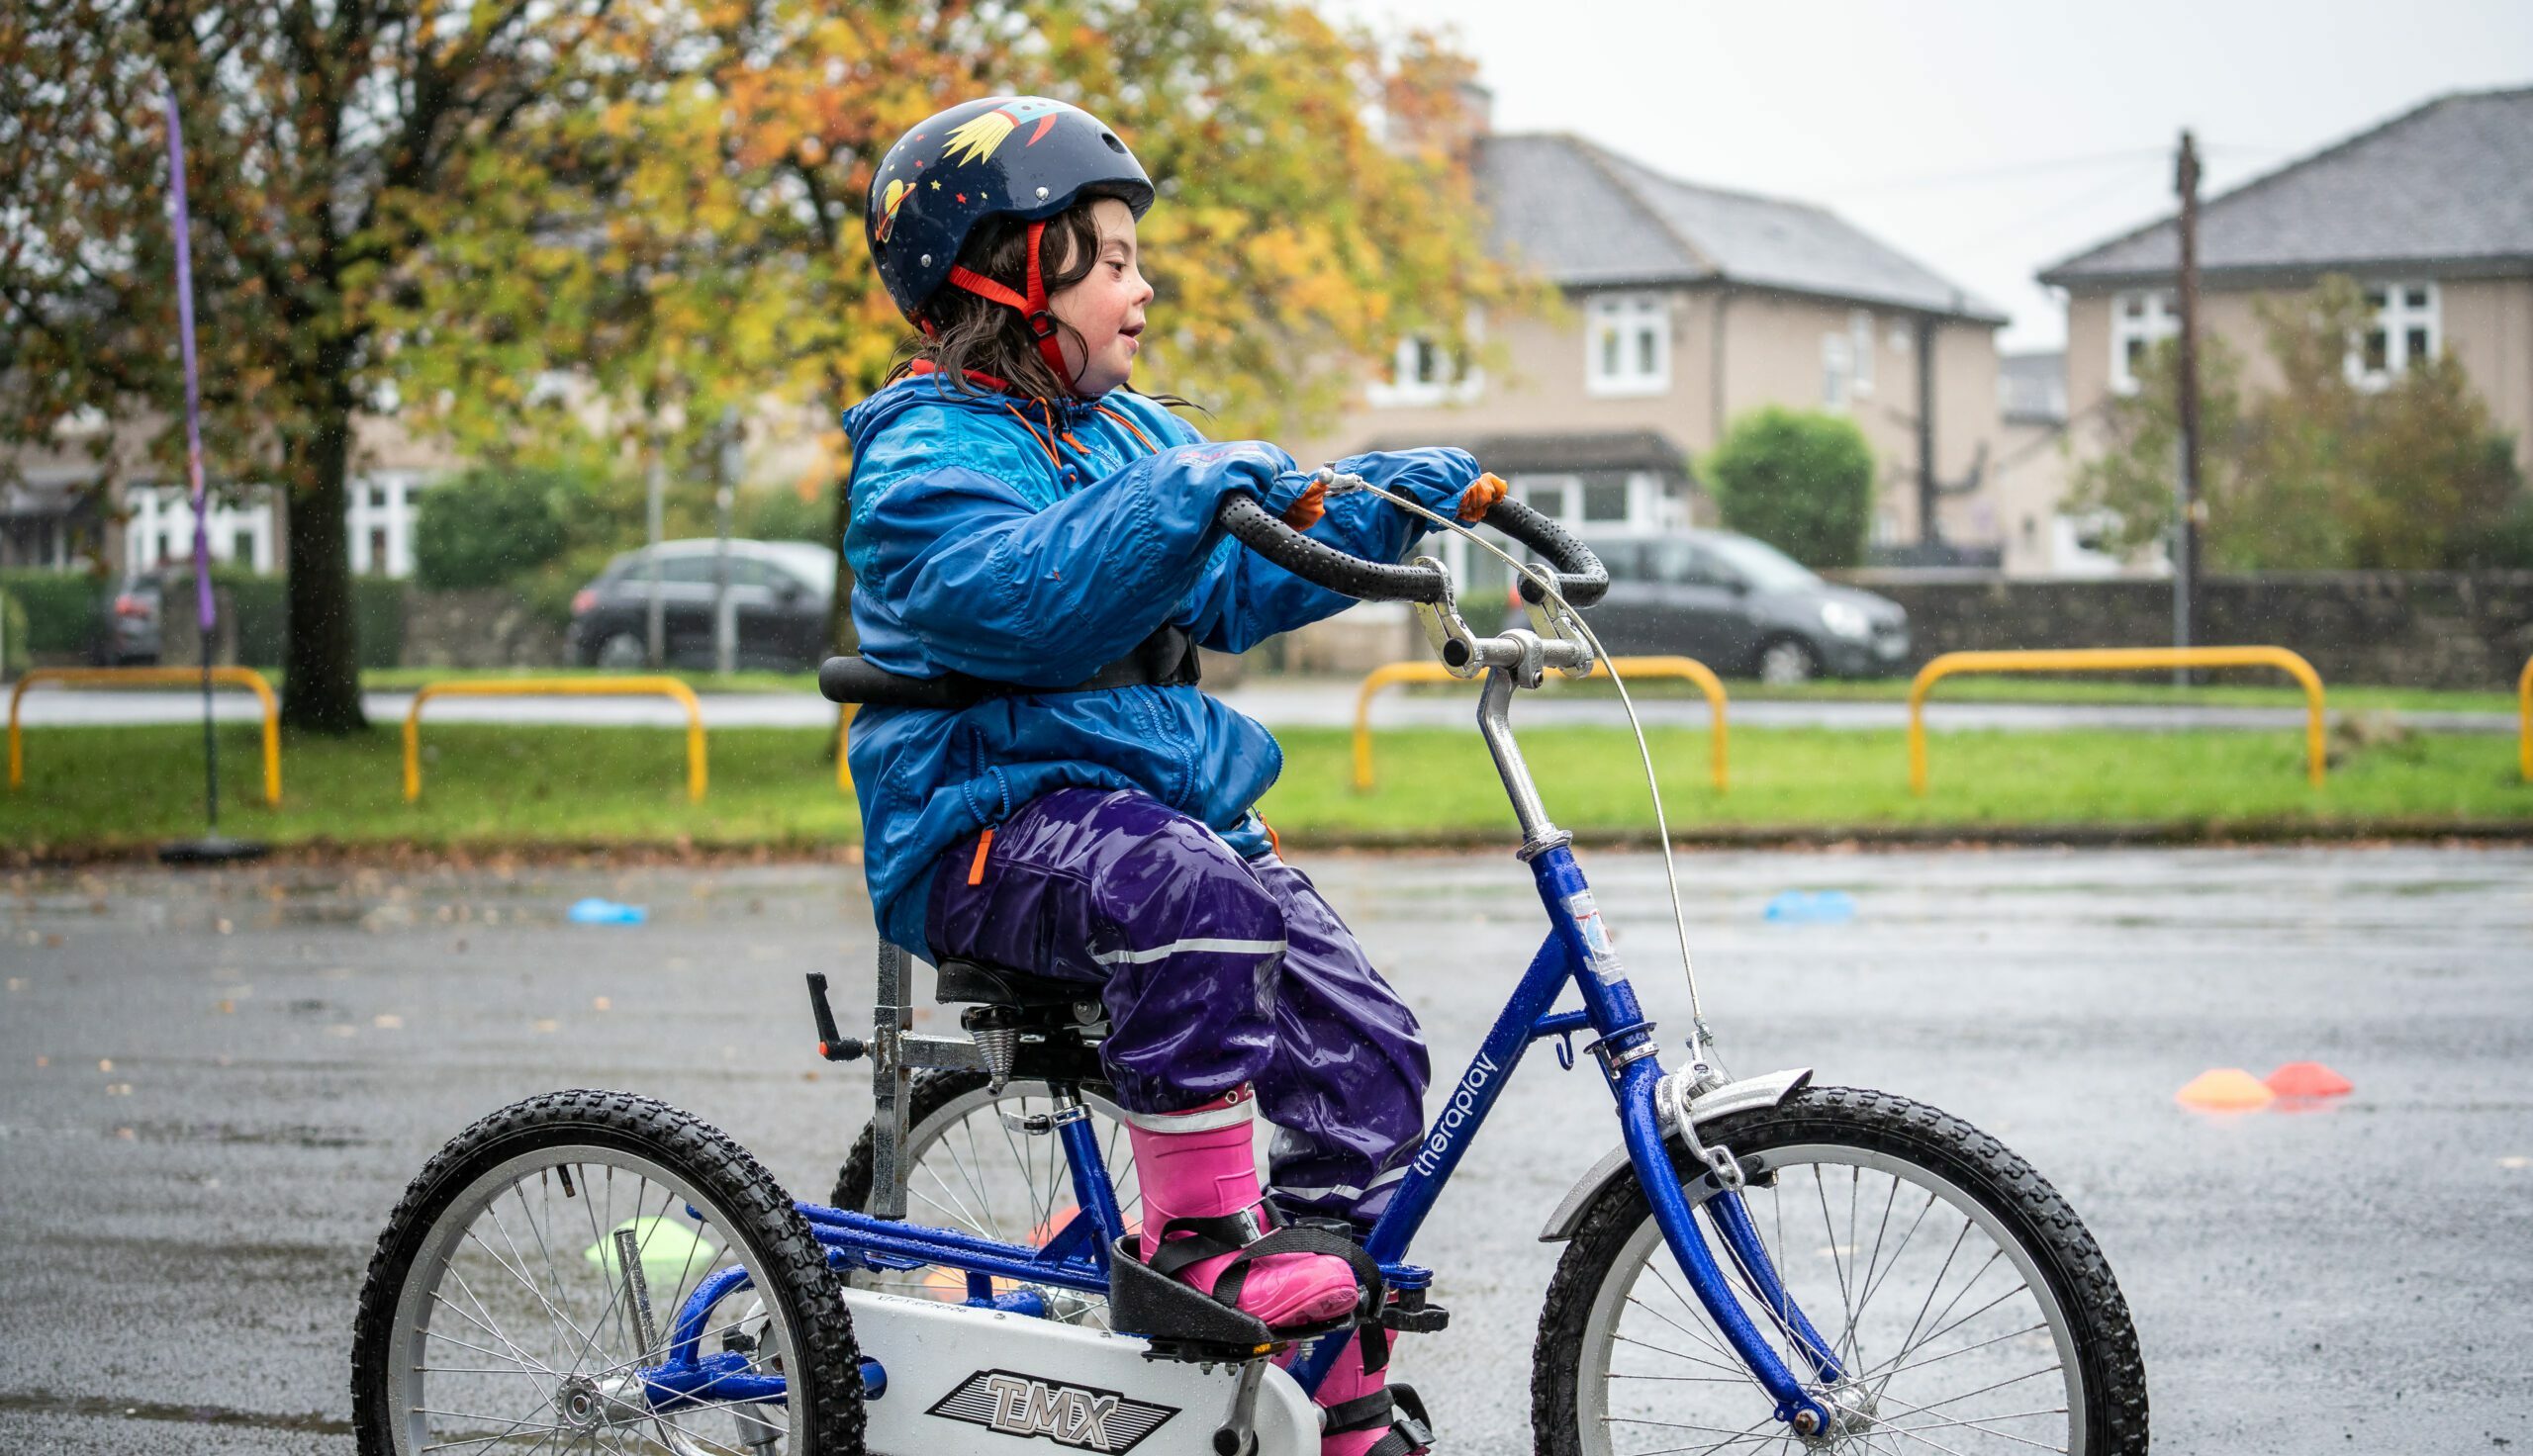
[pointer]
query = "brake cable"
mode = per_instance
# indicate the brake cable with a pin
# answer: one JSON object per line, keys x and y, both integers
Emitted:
{"x": 1701, "y": 1052}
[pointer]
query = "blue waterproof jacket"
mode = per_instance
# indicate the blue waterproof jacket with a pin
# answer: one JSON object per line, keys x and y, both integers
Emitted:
{"x": 974, "y": 550}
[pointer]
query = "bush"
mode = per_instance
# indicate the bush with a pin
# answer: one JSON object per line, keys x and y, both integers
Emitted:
{"x": 61, "y": 609}
{"x": 261, "y": 607}
{"x": 492, "y": 525}
{"x": 1801, "y": 481}
{"x": 782, "y": 515}
{"x": 13, "y": 637}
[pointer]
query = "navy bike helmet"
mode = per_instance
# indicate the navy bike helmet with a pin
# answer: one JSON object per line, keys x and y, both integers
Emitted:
{"x": 1021, "y": 156}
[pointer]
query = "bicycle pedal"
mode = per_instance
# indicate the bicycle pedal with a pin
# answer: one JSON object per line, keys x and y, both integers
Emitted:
{"x": 1421, "y": 1319}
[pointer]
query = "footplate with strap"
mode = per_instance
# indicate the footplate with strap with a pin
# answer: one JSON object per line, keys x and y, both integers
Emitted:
{"x": 1396, "y": 1407}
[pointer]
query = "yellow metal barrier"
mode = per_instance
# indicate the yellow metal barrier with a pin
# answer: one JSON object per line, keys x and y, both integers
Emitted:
{"x": 558, "y": 688}
{"x": 1393, "y": 674}
{"x": 2114, "y": 659}
{"x": 246, "y": 678}
{"x": 843, "y": 726}
{"x": 2525, "y": 718}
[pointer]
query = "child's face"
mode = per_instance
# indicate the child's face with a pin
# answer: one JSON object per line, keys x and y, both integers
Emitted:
{"x": 1105, "y": 308}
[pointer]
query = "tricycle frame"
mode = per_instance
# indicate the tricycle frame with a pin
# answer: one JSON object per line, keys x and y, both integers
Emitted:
{"x": 1576, "y": 950}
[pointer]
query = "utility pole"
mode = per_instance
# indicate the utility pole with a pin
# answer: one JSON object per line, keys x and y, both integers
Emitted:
{"x": 726, "y": 475}
{"x": 1929, "y": 490}
{"x": 656, "y": 650}
{"x": 2190, "y": 510}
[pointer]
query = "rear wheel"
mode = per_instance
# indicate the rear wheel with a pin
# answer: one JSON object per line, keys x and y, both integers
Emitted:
{"x": 967, "y": 1169}
{"x": 1970, "y": 1310}
{"x": 622, "y": 653}
{"x": 501, "y": 1307}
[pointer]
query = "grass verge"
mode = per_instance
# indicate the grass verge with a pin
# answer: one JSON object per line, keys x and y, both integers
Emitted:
{"x": 2231, "y": 689}
{"x": 104, "y": 790}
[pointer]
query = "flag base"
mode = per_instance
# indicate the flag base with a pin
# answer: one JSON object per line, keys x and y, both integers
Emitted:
{"x": 212, "y": 848}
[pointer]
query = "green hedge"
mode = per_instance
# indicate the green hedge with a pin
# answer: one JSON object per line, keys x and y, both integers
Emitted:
{"x": 59, "y": 606}
{"x": 13, "y": 636}
{"x": 262, "y": 607}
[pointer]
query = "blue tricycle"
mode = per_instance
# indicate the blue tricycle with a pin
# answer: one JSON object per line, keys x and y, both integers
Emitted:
{"x": 1761, "y": 1265}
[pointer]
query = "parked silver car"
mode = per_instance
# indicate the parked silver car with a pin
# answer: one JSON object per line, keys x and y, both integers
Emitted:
{"x": 779, "y": 593}
{"x": 1743, "y": 608}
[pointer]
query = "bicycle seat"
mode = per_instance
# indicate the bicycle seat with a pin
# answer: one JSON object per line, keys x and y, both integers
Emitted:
{"x": 1000, "y": 985}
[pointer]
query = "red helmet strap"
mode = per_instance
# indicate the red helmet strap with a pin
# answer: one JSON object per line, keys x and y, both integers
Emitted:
{"x": 1033, "y": 308}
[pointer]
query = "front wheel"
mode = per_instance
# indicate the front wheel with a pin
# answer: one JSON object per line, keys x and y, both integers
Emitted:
{"x": 1787, "y": 662}
{"x": 506, "y": 1305}
{"x": 1968, "y": 1307}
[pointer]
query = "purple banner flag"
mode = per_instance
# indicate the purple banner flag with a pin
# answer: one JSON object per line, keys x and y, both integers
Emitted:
{"x": 203, "y": 608}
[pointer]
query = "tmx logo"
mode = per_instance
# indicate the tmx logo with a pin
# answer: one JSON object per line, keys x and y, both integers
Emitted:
{"x": 1025, "y": 1406}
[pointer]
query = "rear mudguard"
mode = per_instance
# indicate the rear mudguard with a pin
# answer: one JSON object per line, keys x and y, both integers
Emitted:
{"x": 1745, "y": 1095}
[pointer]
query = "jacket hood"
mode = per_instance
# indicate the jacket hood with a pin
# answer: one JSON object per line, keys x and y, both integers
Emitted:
{"x": 864, "y": 421}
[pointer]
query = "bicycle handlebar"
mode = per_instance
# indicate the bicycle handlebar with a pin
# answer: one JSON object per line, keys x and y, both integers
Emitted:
{"x": 1324, "y": 565}
{"x": 1580, "y": 577}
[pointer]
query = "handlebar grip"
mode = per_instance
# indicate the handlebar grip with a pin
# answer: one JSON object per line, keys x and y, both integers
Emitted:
{"x": 1580, "y": 577}
{"x": 1324, "y": 565}
{"x": 851, "y": 680}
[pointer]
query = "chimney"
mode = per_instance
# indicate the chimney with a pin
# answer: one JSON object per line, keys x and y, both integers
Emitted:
{"x": 1454, "y": 129}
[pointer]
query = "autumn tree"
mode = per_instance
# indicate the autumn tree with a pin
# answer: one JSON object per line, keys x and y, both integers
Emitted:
{"x": 324, "y": 140}
{"x": 1315, "y": 202}
{"x": 2326, "y": 468}
{"x": 569, "y": 229}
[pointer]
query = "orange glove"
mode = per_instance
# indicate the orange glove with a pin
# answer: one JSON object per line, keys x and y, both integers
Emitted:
{"x": 1481, "y": 496}
{"x": 1305, "y": 511}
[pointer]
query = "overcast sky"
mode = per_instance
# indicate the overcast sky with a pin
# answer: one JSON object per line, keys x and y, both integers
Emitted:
{"x": 1987, "y": 140}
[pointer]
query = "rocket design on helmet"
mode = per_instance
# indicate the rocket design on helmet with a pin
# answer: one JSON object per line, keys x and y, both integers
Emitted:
{"x": 978, "y": 137}
{"x": 893, "y": 194}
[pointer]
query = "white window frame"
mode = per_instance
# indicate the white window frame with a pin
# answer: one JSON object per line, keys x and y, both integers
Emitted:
{"x": 2397, "y": 316}
{"x": 1570, "y": 497}
{"x": 1626, "y": 326}
{"x": 2145, "y": 316}
{"x": 1404, "y": 389}
{"x": 1838, "y": 372}
{"x": 1860, "y": 330}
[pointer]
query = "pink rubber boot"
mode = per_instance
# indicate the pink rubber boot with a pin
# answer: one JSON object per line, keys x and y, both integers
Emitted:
{"x": 1366, "y": 1429}
{"x": 1198, "y": 1166}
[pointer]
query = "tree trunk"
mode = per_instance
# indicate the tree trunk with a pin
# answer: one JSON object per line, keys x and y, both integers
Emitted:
{"x": 320, "y": 659}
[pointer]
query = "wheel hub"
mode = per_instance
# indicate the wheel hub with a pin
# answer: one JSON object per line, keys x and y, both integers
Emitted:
{"x": 588, "y": 1405}
{"x": 1852, "y": 1411}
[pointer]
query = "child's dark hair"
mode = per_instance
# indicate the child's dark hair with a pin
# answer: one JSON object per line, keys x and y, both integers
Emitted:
{"x": 970, "y": 333}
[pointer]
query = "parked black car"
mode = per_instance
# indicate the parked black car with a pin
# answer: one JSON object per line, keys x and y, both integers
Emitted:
{"x": 1743, "y": 608}
{"x": 778, "y": 592}
{"x": 124, "y": 630}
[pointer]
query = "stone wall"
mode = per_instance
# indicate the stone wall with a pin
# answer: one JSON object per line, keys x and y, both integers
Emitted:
{"x": 2419, "y": 629}
{"x": 485, "y": 628}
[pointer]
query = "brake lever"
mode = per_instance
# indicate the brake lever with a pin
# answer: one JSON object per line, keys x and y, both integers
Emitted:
{"x": 1554, "y": 623}
{"x": 1445, "y": 627}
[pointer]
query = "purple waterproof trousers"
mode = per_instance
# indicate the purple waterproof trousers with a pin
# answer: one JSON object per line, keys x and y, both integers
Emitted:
{"x": 1215, "y": 970}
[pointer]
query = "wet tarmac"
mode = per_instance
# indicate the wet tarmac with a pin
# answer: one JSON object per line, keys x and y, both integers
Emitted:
{"x": 213, "y": 1087}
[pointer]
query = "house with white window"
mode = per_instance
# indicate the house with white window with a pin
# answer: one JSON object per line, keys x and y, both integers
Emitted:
{"x": 2431, "y": 213}
{"x": 52, "y": 513}
{"x": 1687, "y": 306}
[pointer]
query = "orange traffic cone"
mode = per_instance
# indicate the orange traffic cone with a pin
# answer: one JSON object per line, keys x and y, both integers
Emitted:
{"x": 2226, "y": 1089}
{"x": 2309, "y": 1080}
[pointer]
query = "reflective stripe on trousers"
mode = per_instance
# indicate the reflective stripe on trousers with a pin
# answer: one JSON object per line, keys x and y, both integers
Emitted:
{"x": 1215, "y": 971}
